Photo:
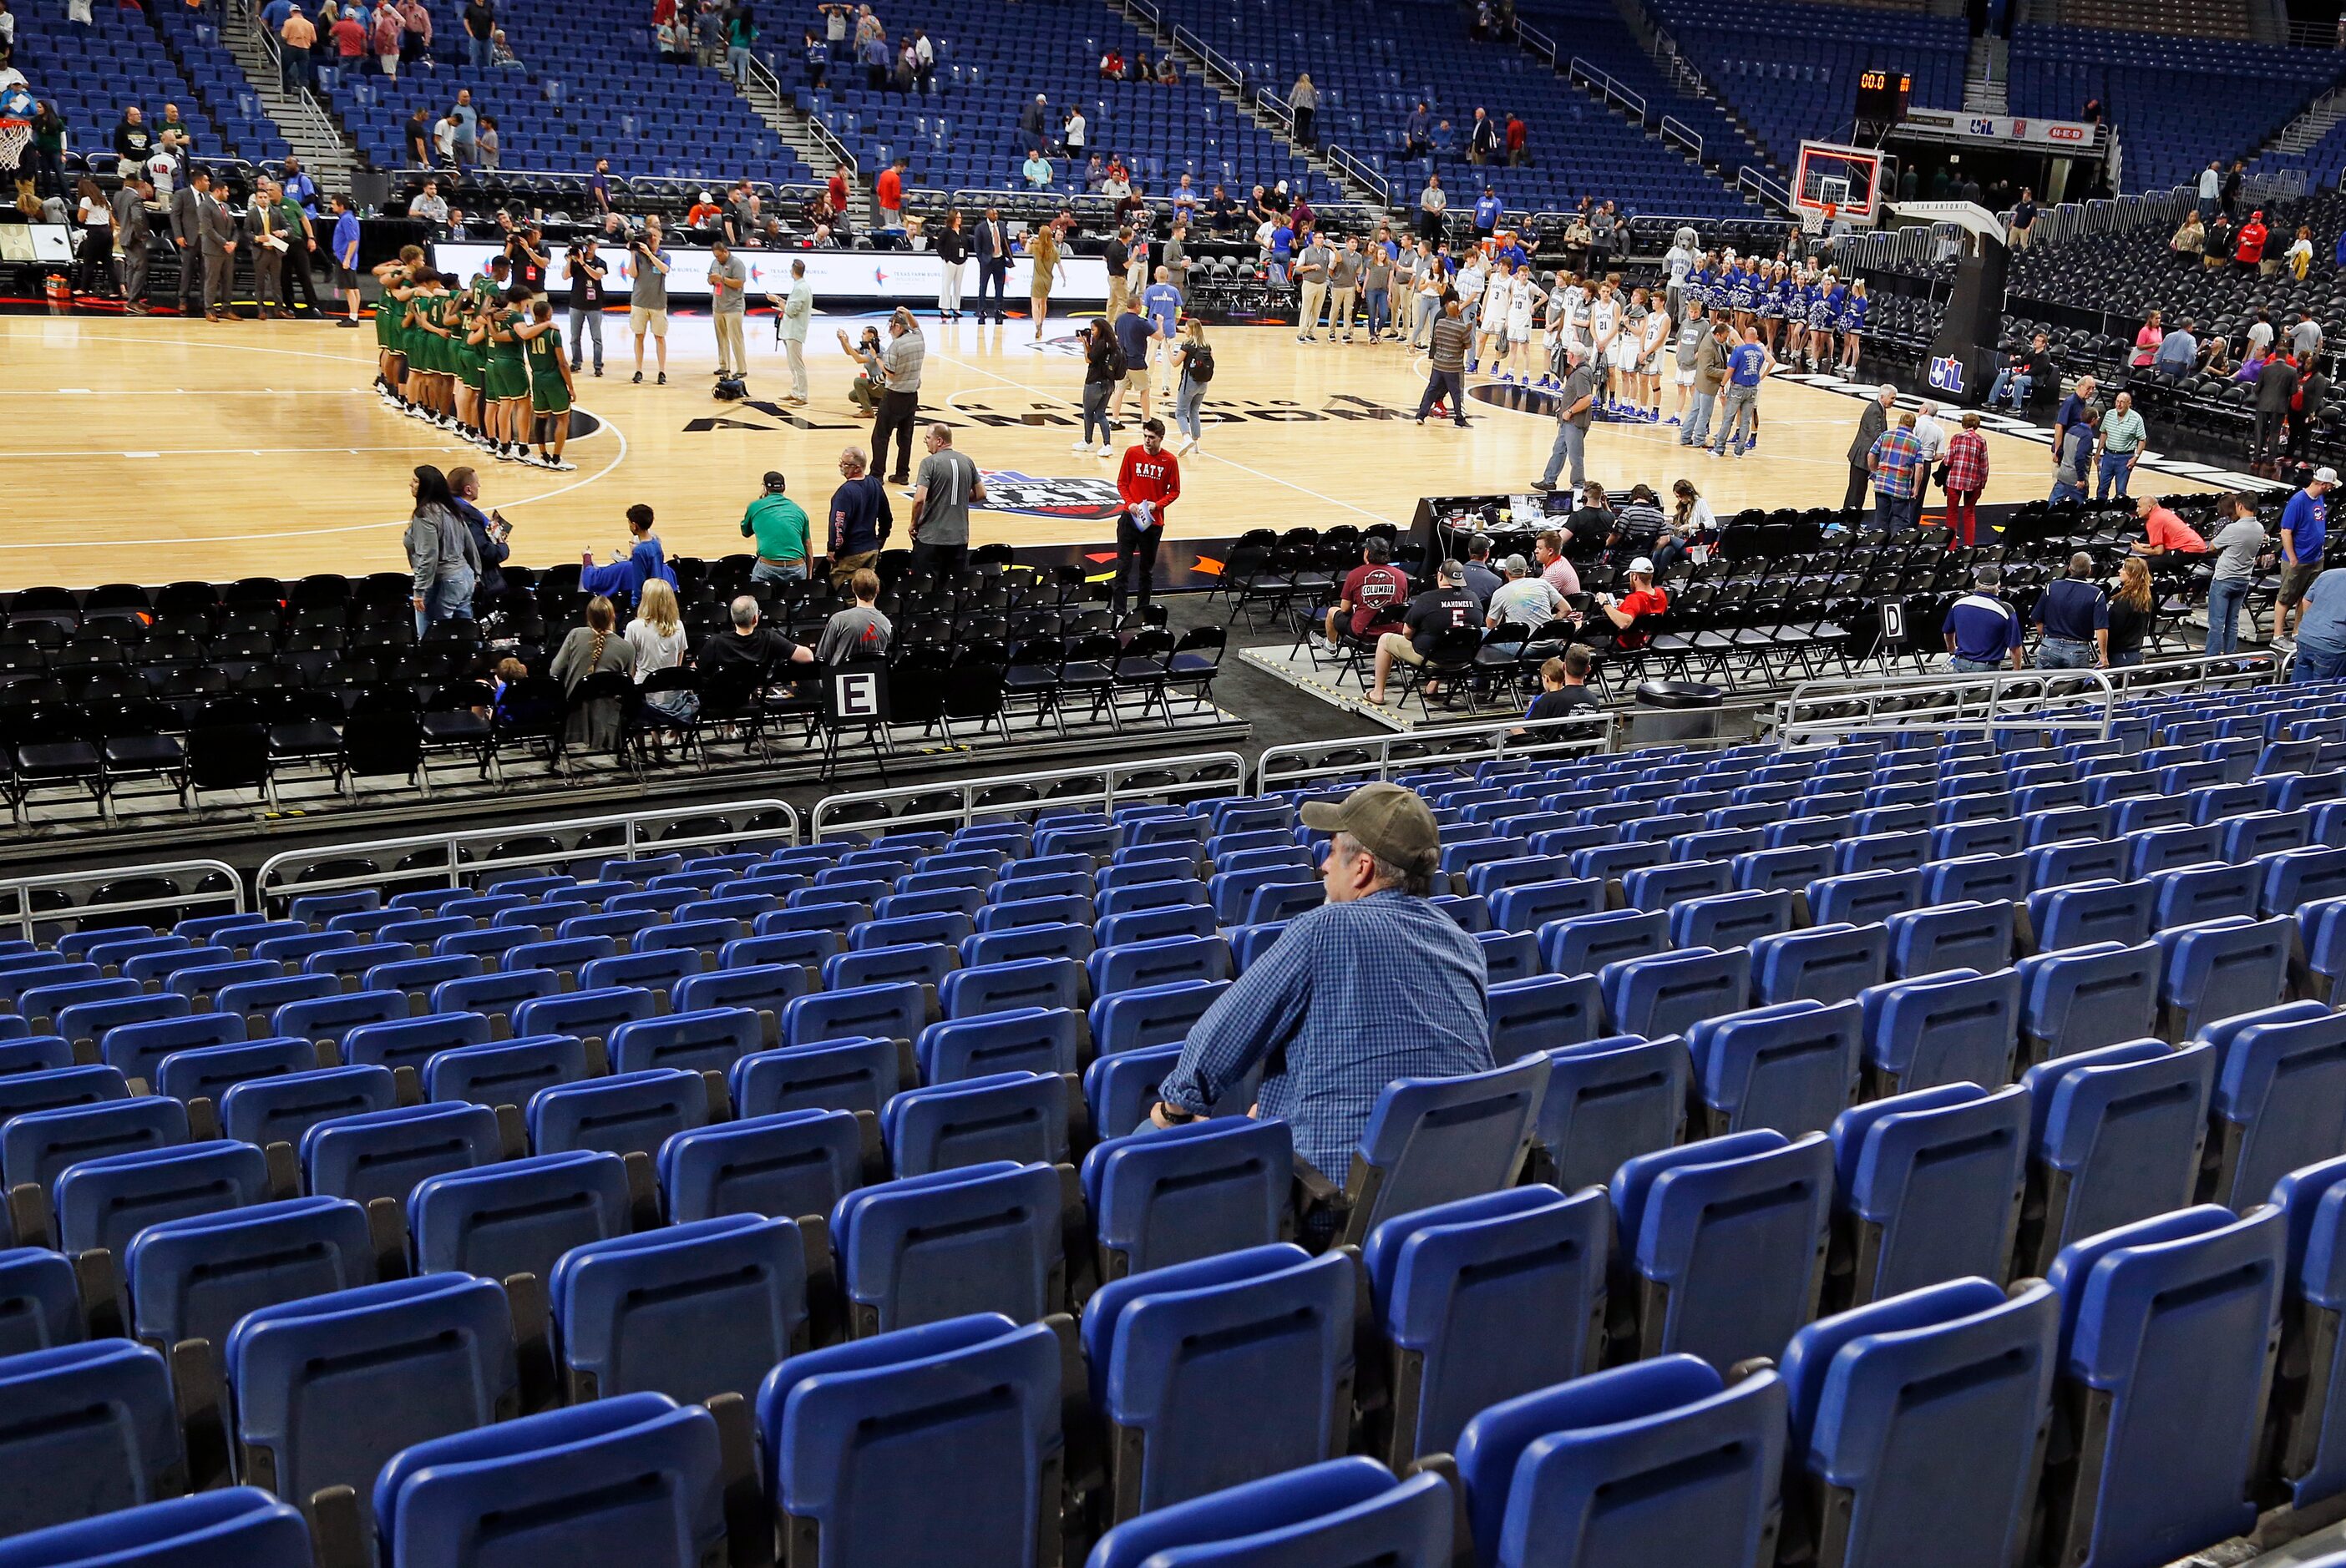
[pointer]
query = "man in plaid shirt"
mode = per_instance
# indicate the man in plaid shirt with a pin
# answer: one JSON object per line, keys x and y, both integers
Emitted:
{"x": 1899, "y": 473}
{"x": 1966, "y": 477}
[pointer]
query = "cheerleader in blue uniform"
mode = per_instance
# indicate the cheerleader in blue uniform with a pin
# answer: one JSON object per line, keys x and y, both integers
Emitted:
{"x": 1824, "y": 315}
{"x": 1800, "y": 294}
{"x": 1773, "y": 302}
{"x": 1852, "y": 327}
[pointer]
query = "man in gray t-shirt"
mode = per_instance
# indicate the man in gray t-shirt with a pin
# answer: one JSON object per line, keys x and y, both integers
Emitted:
{"x": 728, "y": 281}
{"x": 647, "y": 295}
{"x": 2305, "y": 337}
{"x": 1344, "y": 287}
{"x": 859, "y": 631}
{"x": 1311, "y": 290}
{"x": 2234, "y": 548}
{"x": 942, "y": 492}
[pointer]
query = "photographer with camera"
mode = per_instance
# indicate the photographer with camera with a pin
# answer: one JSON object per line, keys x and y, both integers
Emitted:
{"x": 866, "y": 390}
{"x": 648, "y": 299}
{"x": 585, "y": 269}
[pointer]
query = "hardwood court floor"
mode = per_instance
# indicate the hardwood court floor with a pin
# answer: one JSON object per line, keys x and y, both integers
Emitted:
{"x": 155, "y": 449}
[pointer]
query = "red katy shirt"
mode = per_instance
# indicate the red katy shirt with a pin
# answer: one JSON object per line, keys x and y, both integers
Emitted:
{"x": 1150, "y": 476}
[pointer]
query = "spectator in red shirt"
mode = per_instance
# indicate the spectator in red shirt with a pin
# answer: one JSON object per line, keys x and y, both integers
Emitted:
{"x": 1518, "y": 137}
{"x": 1374, "y": 596}
{"x": 835, "y": 189}
{"x": 1148, "y": 481}
{"x": 888, "y": 193}
{"x": 2248, "y": 245}
{"x": 350, "y": 38}
{"x": 1966, "y": 477}
{"x": 2165, "y": 534}
{"x": 1642, "y": 599}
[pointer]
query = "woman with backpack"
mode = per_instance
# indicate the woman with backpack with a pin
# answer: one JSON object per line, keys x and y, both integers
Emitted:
{"x": 1195, "y": 360}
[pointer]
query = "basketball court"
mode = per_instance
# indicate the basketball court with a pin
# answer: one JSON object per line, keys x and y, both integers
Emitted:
{"x": 158, "y": 449}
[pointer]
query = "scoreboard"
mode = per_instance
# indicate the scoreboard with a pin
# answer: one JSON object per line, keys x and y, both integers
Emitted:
{"x": 1882, "y": 96}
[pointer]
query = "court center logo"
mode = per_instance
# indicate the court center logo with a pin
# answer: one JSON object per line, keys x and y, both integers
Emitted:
{"x": 1034, "y": 495}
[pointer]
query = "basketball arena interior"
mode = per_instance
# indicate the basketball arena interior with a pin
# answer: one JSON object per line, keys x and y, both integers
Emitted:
{"x": 1422, "y": 783}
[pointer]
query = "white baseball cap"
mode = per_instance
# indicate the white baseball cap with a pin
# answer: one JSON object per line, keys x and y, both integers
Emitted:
{"x": 2325, "y": 476}
{"x": 1643, "y": 563}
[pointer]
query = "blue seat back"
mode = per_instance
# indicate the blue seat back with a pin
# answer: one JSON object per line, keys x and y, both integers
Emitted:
{"x": 2081, "y": 999}
{"x": 2221, "y": 968}
{"x": 2167, "y": 1325}
{"x": 1792, "y": 1068}
{"x": 1829, "y": 961}
{"x": 786, "y": 1165}
{"x": 106, "y": 1200}
{"x": 1726, "y": 1239}
{"x": 921, "y": 1249}
{"x": 1957, "y": 1027}
{"x": 690, "y": 1311}
{"x": 410, "y": 1042}
{"x": 85, "y": 1429}
{"x": 2281, "y": 1097}
{"x": 1022, "y": 1039}
{"x": 1164, "y": 1197}
{"x": 279, "y": 1109}
{"x": 1543, "y": 1013}
{"x": 2119, "y": 1133}
{"x": 1222, "y": 1370}
{"x": 1348, "y": 1510}
{"x": 1607, "y": 1100}
{"x": 40, "y": 1300}
{"x": 1657, "y": 1462}
{"x": 1931, "y": 1184}
{"x": 627, "y": 1112}
{"x": 237, "y": 1527}
{"x": 1486, "y": 1298}
{"x": 708, "y": 1039}
{"x": 34, "y": 1147}
{"x": 1669, "y": 993}
{"x": 1867, "y": 1431}
{"x": 856, "y": 1073}
{"x": 1583, "y": 944}
{"x": 1016, "y": 1116}
{"x": 592, "y": 1012}
{"x": 384, "y": 1153}
{"x": 634, "y": 1479}
{"x": 192, "y": 1279}
{"x": 1151, "y": 1015}
{"x": 518, "y": 1216}
{"x": 889, "y": 1011}
{"x": 1432, "y": 1140}
{"x": 864, "y": 1442}
{"x": 507, "y": 1072}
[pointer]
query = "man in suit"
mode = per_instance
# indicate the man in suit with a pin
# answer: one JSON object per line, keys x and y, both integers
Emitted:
{"x": 1869, "y": 426}
{"x": 264, "y": 225}
{"x": 131, "y": 233}
{"x": 188, "y": 239}
{"x": 216, "y": 224}
{"x": 993, "y": 263}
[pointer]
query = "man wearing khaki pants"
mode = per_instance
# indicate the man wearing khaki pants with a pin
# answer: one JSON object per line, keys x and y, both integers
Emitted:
{"x": 728, "y": 280}
{"x": 1311, "y": 287}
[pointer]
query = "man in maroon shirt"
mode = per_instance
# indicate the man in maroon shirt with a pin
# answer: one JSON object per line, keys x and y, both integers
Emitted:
{"x": 1374, "y": 598}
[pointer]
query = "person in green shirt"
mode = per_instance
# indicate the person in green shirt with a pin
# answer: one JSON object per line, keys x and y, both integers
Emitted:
{"x": 471, "y": 368}
{"x": 780, "y": 525}
{"x": 302, "y": 238}
{"x": 507, "y": 382}
{"x": 549, "y": 384}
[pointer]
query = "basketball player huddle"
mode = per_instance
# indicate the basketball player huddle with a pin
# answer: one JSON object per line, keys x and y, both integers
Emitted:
{"x": 1527, "y": 334}
{"x": 483, "y": 362}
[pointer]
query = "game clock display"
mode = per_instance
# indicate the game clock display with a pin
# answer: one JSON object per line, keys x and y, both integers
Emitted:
{"x": 1882, "y": 94}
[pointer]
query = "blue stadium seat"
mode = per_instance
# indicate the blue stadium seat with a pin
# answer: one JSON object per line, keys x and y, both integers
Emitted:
{"x": 854, "y": 1074}
{"x": 1020, "y": 1117}
{"x": 690, "y": 1311}
{"x": 1159, "y": 1197}
{"x": 2279, "y": 1100}
{"x": 1955, "y": 1027}
{"x": 1482, "y": 1299}
{"x": 921, "y": 1249}
{"x": 2083, "y": 998}
{"x": 1605, "y": 1100}
{"x": 1222, "y": 1370}
{"x": 590, "y": 1012}
{"x": 894, "y": 1011}
{"x": 2219, "y": 969}
{"x": 40, "y": 1300}
{"x": 328, "y": 1389}
{"x": 627, "y": 1112}
{"x": 705, "y": 1040}
{"x": 1663, "y": 1462}
{"x": 875, "y": 1452}
{"x": 35, "y": 1146}
{"x": 1528, "y": 906}
{"x": 518, "y": 1216}
{"x": 1544, "y": 1012}
{"x": 1432, "y": 1140}
{"x": 507, "y": 1072}
{"x": 1151, "y": 1015}
{"x": 279, "y": 1108}
{"x": 2167, "y": 1326}
{"x": 1121, "y": 1089}
{"x": 1669, "y": 993}
{"x": 105, "y": 1201}
{"x": 1792, "y": 1068}
{"x": 384, "y": 1153}
{"x": 235, "y": 1527}
{"x": 1345, "y": 1511}
{"x": 1929, "y": 1188}
{"x": 1583, "y": 944}
{"x": 786, "y": 1165}
{"x": 1724, "y": 1241}
{"x": 1940, "y": 937}
{"x": 1020, "y": 1039}
{"x": 1829, "y": 961}
{"x": 411, "y": 1041}
{"x": 85, "y": 1429}
{"x": 1869, "y": 1441}
{"x": 2114, "y": 1137}
{"x": 1730, "y": 920}
{"x": 193, "y": 1279}
{"x": 630, "y": 1480}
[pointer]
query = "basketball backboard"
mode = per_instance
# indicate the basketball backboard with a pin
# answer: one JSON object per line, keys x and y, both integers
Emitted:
{"x": 1846, "y": 178}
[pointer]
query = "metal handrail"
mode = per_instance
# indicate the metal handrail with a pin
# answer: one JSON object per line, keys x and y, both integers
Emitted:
{"x": 764, "y": 75}
{"x": 1677, "y": 130}
{"x": 1356, "y": 168}
{"x": 972, "y": 799}
{"x": 1363, "y": 758}
{"x": 1839, "y": 707}
{"x": 280, "y": 878}
{"x": 1539, "y": 43}
{"x": 1763, "y": 187}
{"x": 1216, "y": 63}
{"x": 1267, "y": 102}
{"x": 1155, "y": 17}
{"x": 20, "y": 911}
{"x": 1588, "y": 76}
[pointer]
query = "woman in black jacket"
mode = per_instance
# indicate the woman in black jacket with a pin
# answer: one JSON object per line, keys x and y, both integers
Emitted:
{"x": 1102, "y": 373}
{"x": 951, "y": 245}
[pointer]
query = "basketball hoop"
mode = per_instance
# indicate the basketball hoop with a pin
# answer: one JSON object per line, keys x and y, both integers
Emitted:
{"x": 15, "y": 125}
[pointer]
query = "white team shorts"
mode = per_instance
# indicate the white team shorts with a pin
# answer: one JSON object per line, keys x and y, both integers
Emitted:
{"x": 1624, "y": 356}
{"x": 1519, "y": 331}
{"x": 1686, "y": 375}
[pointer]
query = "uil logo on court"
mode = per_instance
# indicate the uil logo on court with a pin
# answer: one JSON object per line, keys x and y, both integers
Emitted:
{"x": 1947, "y": 374}
{"x": 1085, "y": 499}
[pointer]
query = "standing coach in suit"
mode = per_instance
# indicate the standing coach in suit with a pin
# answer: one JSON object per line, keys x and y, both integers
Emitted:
{"x": 188, "y": 239}
{"x": 218, "y": 226}
{"x": 130, "y": 232}
{"x": 1869, "y": 426}
{"x": 993, "y": 264}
